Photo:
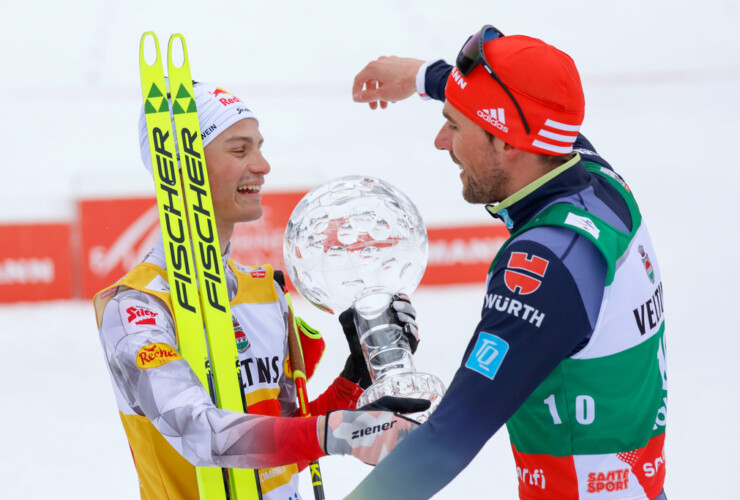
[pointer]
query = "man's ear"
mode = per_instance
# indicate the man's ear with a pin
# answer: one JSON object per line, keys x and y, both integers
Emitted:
{"x": 509, "y": 151}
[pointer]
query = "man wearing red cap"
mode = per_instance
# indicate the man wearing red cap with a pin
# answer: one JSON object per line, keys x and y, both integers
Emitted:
{"x": 570, "y": 348}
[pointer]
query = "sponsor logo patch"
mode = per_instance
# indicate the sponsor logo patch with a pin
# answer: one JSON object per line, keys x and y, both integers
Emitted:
{"x": 649, "y": 270}
{"x": 266, "y": 369}
{"x": 218, "y": 92}
{"x": 523, "y": 283}
{"x": 154, "y": 355}
{"x": 495, "y": 117}
{"x": 611, "y": 173}
{"x": 207, "y": 131}
{"x": 507, "y": 220}
{"x": 613, "y": 480}
{"x": 108, "y": 293}
{"x": 458, "y": 78}
{"x": 139, "y": 315}
{"x": 487, "y": 355}
{"x": 584, "y": 223}
{"x": 224, "y": 96}
{"x": 367, "y": 431}
{"x": 271, "y": 473}
{"x": 650, "y": 314}
{"x": 242, "y": 342}
{"x": 534, "y": 477}
{"x": 158, "y": 284}
{"x": 253, "y": 272}
{"x": 515, "y": 308}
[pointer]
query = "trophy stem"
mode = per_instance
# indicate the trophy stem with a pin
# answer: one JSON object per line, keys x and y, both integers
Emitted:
{"x": 389, "y": 358}
{"x": 384, "y": 345}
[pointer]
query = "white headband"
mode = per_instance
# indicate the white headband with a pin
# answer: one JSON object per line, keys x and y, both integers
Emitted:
{"x": 217, "y": 111}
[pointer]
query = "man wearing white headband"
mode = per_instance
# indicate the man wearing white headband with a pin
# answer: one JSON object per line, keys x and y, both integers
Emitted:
{"x": 168, "y": 416}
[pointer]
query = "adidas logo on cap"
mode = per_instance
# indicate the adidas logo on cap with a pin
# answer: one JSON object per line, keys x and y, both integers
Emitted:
{"x": 495, "y": 117}
{"x": 553, "y": 102}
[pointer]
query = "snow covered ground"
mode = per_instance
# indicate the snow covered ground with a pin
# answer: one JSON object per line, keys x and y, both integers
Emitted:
{"x": 662, "y": 86}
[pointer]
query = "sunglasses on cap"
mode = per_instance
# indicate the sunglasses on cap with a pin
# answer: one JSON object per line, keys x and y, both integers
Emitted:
{"x": 472, "y": 55}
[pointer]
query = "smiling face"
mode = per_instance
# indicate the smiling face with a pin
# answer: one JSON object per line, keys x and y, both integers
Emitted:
{"x": 479, "y": 156}
{"x": 236, "y": 173}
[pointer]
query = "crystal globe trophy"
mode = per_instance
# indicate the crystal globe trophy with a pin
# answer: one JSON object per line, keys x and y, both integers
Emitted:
{"x": 355, "y": 242}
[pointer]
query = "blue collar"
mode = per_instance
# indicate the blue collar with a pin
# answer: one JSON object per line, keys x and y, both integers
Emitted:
{"x": 522, "y": 206}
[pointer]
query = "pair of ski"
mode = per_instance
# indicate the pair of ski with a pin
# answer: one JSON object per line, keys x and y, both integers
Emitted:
{"x": 183, "y": 208}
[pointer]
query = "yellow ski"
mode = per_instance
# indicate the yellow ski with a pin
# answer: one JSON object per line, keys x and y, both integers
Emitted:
{"x": 208, "y": 263}
{"x": 192, "y": 310}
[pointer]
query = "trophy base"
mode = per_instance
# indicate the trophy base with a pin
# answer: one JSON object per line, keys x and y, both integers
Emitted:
{"x": 407, "y": 385}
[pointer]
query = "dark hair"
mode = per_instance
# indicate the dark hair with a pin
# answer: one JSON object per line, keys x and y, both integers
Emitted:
{"x": 551, "y": 162}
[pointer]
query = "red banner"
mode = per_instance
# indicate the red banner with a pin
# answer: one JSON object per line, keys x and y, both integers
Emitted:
{"x": 462, "y": 254}
{"x": 116, "y": 234}
{"x": 35, "y": 262}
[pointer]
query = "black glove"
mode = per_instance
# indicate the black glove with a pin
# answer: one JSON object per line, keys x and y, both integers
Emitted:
{"x": 397, "y": 405}
{"x": 403, "y": 314}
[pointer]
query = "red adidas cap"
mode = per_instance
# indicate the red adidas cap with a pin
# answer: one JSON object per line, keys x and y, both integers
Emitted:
{"x": 542, "y": 79}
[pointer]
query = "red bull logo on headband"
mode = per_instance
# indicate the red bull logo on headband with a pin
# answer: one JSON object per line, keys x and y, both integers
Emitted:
{"x": 224, "y": 100}
{"x": 218, "y": 92}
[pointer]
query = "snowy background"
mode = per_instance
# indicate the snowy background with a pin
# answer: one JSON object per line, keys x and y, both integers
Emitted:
{"x": 662, "y": 84}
